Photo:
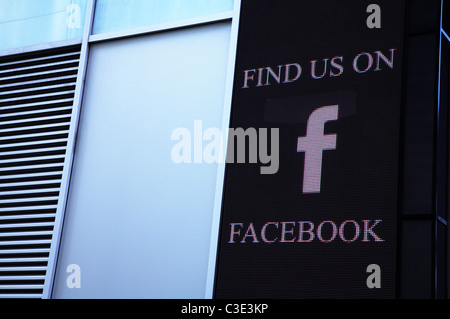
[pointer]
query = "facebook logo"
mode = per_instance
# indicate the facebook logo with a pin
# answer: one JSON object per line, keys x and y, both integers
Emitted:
{"x": 314, "y": 143}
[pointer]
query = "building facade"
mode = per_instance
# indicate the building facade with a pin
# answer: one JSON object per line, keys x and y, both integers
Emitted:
{"x": 113, "y": 124}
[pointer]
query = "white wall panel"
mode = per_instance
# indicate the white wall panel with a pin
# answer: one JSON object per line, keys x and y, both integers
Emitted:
{"x": 137, "y": 224}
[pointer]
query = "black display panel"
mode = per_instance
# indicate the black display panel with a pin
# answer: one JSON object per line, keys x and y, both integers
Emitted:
{"x": 310, "y": 211}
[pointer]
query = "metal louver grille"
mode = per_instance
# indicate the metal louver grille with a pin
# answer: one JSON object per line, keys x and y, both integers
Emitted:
{"x": 36, "y": 98}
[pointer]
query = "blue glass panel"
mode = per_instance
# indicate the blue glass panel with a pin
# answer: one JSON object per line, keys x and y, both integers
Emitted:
{"x": 30, "y": 22}
{"x": 115, "y": 15}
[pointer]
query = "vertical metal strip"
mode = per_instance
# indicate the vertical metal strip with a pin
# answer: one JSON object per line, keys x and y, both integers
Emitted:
{"x": 68, "y": 161}
{"x": 210, "y": 278}
{"x": 440, "y": 155}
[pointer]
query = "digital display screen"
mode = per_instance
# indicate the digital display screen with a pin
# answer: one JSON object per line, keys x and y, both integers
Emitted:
{"x": 311, "y": 188}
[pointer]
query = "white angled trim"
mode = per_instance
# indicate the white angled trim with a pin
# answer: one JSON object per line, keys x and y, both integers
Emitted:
{"x": 211, "y": 270}
{"x": 66, "y": 174}
{"x": 42, "y": 46}
{"x": 173, "y": 25}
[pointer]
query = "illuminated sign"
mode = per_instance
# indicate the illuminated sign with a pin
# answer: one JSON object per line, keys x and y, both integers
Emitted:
{"x": 327, "y": 76}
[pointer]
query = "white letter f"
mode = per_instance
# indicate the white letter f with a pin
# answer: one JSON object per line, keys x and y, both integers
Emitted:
{"x": 314, "y": 143}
